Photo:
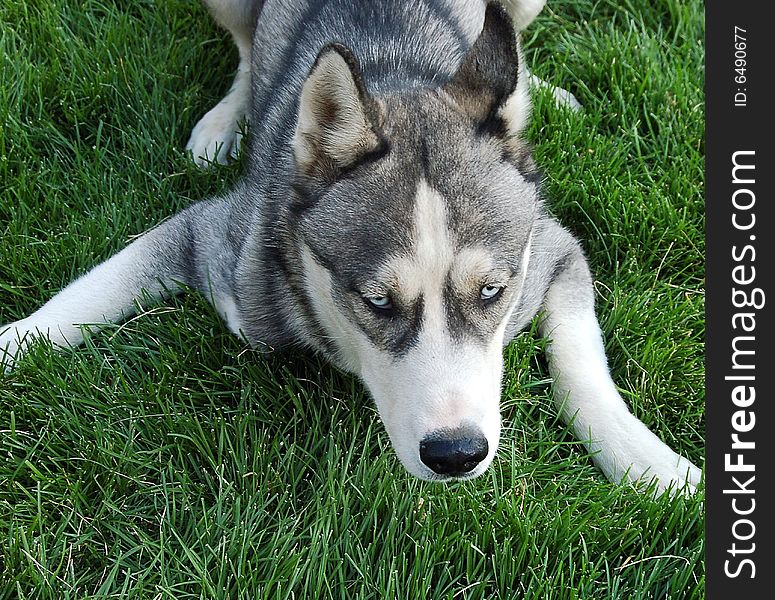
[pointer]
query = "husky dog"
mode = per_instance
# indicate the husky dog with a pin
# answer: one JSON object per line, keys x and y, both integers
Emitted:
{"x": 390, "y": 218}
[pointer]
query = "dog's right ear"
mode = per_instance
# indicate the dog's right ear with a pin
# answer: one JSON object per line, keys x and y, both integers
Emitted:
{"x": 338, "y": 121}
{"x": 490, "y": 86}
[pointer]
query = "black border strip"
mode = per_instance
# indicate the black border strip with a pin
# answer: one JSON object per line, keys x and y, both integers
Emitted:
{"x": 738, "y": 120}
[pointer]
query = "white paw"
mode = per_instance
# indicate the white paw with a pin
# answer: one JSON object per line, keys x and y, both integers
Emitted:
{"x": 523, "y": 11}
{"x": 642, "y": 458}
{"x": 217, "y": 136}
{"x": 14, "y": 338}
{"x": 669, "y": 472}
{"x": 565, "y": 98}
{"x": 629, "y": 451}
{"x": 561, "y": 96}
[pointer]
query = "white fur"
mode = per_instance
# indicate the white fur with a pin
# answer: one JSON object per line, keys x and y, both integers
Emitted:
{"x": 620, "y": 444}
{"x": 438, "y": 384}
{"x": 562, "y": 96}
{"x": 523, "y": 12}
{"x": 351, "y": 341}
{"x": 227, "y": 308}
{"x": 425, "y": 269}
{"x": 105, "y": 294}
{"x": 217, "y": 137}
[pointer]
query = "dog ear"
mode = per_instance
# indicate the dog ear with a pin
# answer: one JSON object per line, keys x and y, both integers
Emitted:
{"x": 338, "y": 121}
{"x": 491, "y": 85}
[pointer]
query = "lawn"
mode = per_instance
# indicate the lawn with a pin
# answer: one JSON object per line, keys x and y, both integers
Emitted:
{"x": 164, "y": 459}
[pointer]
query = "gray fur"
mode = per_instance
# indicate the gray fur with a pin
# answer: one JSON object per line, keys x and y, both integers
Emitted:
{"x": 379, "y": 222}
{"x": 405, "y": 51}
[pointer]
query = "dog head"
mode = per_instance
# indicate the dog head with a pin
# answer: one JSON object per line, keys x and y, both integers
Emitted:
{"x": 414, "y": 211}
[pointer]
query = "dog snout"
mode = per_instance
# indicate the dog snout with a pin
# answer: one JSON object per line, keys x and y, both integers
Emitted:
{"x": 454, "y": 452}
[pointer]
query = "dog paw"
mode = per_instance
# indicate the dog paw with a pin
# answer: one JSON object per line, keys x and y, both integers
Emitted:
{"x": 561, "y": 96}
{"x": 14, "y": 338}
{"x": 629, "y": 452}
{"x": 217, "y": 137}
{"x": 564, "y": 98}
{"x": 674, "y": 474}
{"x": 646, "y": 459}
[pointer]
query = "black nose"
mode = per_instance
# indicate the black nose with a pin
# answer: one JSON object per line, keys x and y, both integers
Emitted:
{"x": 453, "y": 452}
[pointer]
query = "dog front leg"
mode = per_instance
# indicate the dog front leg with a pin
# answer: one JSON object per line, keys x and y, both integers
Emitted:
{"x": 152, "y": 266}
{"x": 217, "y": 137}
{"x": 586, "y": 397}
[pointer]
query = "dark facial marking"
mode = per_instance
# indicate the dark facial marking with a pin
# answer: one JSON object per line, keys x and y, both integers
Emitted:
{"x": 468, "y": 316}
{"x": 395, "y": 331}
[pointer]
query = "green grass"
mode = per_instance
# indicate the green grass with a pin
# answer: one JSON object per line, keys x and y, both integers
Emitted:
{"x": 163, "y": 459}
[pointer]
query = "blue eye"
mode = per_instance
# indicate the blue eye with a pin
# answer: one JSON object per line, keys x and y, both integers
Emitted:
{"x": 380, "y": 303}
{"x": 489, "y": 293}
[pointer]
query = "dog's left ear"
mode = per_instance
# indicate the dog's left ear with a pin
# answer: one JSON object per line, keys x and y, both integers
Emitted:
{"x": 490, "y": 85}
{"x": 338, "y": 121}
